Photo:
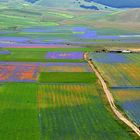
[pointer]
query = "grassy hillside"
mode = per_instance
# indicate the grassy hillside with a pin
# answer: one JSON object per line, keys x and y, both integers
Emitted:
{"x": 130, "y": 15}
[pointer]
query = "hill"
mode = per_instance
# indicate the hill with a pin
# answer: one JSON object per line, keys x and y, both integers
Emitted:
{"x": 59, "y": 4}
{"x": 70, "y": 4}
{"x": 130, "y": 15}
{"x": 118, "y": 3}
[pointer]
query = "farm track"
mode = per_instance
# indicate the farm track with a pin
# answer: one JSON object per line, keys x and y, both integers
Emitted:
{"x": 111, "y": 99}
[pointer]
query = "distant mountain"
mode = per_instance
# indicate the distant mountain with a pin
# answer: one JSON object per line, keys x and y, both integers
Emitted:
{"x": 65, "y": 4}
{"x": 84, "y": 4}
{"x": 32, "y": 1}
{"x": 118, "y": 3}
{"x": 70, "y": 4}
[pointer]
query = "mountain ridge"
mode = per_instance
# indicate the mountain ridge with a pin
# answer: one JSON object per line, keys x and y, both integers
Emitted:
{"x": 69, "y": 4}
{"x": 118, "y": 3}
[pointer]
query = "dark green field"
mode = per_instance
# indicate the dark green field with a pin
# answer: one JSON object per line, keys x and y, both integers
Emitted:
{"x": 67, "y": 77}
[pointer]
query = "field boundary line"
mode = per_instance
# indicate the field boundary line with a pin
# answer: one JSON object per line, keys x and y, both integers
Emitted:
{"x": 110, "y": 98}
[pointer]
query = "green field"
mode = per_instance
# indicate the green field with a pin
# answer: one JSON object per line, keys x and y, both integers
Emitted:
{"x": 19, "y": 112}
{"x": 71, "y": 111}
{"x": 67, "y": 77}
{"x": 38, "y": 55}
{"x": 62, "y": 111}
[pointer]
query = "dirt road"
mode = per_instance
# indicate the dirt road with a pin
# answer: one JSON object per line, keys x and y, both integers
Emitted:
{"x": 111, "y": 99}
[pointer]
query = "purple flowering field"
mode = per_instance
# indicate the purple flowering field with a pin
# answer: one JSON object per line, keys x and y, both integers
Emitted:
{"x": 86, "y": 33}
{"x": 64, "y": 55}
{"x": 132, "y": 108}
{"x": 129, "y": 100}
{"x": 65, "y": 67}
{"x": 109, "y": 58}
{"x": 5, "y": 52}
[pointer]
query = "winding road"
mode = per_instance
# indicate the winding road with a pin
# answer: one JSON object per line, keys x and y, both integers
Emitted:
{"x": 111, "y": 99}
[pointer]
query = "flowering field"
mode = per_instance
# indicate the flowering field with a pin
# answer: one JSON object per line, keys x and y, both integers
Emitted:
{"x": 29, "y": 71}
{"x": 65, "y": 67}
{"x": 18, "y": 72}
{"x": 118, "y": 69}
{"x": 4, "y": 52}
{"x": 109, "y": 58}
{"x": 64, "y": 55}
{"x": 122, "y": 74}
{"x": 129, "y": 100}
{"x": 42, "y": 54}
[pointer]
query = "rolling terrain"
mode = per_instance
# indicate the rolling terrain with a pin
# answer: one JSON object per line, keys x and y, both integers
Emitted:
{"x": 48, "y": 90}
